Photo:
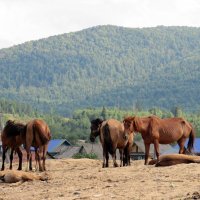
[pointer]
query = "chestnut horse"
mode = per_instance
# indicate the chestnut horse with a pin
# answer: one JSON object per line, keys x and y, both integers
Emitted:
{"x": 37, "y": 135}
{"x": 174, "y": 159}
{"x": 12, "y": 137}
{"x": 164, "y": 131}
{"x": 112, "y": 136}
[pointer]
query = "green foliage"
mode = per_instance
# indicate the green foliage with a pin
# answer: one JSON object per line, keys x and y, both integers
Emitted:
{"x": 78, "y": 126}
{"x": 105, "y": 66}
{"x": 85, "y": 155}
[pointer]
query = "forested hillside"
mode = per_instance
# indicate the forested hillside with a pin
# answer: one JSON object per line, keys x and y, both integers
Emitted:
{"x": 78, "y": 126}
{"x": 105, "y": 66}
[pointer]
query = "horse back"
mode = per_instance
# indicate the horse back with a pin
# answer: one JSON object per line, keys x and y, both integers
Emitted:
{"x": 11, "y": 141}
{"x": 116, "y": 133}
{"x": 169, "y": 130}
{"x": 177, "y": 122}
{"x": 38, "y": 133}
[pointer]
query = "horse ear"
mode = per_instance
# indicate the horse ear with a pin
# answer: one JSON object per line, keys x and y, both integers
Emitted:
{"x": 100, "y": 121}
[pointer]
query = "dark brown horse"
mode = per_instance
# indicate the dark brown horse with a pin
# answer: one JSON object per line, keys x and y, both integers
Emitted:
{"x": 164, "y": 131}
{"x": 174, "y": 159}
{"x": 37, "y": 135}
{"x": 12, "y": 137}
{"x": 112, "y": 136}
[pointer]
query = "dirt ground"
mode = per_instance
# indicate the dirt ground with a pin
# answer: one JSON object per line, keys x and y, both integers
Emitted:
{"x": 86, "y": 179}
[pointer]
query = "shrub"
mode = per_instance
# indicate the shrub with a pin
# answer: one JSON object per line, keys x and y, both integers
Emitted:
{"x": 85, "y": 155}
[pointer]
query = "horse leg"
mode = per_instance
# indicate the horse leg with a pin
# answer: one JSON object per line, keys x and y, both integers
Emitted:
{"x": 4, "y": 157}
{"x": 11, "y": 158}
{"x": 121, "y": 152}
{"x": 125, "y": 161}
{"x": 156, "y": 149}
{"x": 44, "y": 156}
{"x": 39, "y": 160}
{"x": 36, "y": 159}
{"x": 19, "y": 152}
{"x": 105, "y": 157}
{"x": 181, "y": 143}
{"x": 147, "y": 147}
{"x": 30, "y": 162}
{"x": 114, "y": 159}
{"x": 28, "y": 151}
{"x": 129, "y": 148}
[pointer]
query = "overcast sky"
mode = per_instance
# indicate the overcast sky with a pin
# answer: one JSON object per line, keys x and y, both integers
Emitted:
{"x": 24, "y": 20}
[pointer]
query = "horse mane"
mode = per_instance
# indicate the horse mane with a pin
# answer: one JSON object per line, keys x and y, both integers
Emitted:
{"x": 13, "y": 128}
{"x": 136, "y": 121}
{"x": 96, "y": 121}
{"x": 129, "y": 119}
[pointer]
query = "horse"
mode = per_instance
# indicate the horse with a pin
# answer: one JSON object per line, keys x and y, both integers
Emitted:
{"x": 112, "y": 136}
{"x": 161, "y": 131}
{"x": 37, "y": 135}
{"x": 174, "y": 159}
{"x": 12, "y": 176}
{"x": 12, "y": 137}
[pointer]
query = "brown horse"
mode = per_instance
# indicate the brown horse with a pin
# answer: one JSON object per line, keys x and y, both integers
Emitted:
{"x": 37, "y": 135}
{"x": 164, "y": 131}
{"x": 12, "y": 176}
{"x": 12, "y": 137}
{"x": 112, "y": 136}
{"x": 174, "y": 159}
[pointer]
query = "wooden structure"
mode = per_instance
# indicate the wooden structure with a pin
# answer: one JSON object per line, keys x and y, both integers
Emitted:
{"x": 138, "y": 150}
{"x": 57, "y": 146}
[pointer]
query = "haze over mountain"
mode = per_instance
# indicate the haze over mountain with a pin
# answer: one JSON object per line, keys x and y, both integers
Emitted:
{"x": 105, "y": 66}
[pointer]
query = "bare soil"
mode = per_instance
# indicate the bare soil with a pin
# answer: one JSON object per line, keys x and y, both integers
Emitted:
{"x": 86, "y": 179}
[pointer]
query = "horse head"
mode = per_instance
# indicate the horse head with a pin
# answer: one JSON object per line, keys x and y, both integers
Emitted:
{"x": 13, "y": 128}
{"x": 130, "y": 125}
{"x": 95, "y": 128}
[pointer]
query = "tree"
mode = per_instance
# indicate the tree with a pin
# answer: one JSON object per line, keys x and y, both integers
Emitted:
{"x": 104, "y": 113}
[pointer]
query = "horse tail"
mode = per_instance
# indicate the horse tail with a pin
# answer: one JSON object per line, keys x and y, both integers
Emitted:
{"x": 190, "y": 145}
{"x": 107, "y": 139}
{"x": 43, "y": 137}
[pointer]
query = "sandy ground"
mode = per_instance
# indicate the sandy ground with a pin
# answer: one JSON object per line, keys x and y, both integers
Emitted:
{"x": 85, "y": 179}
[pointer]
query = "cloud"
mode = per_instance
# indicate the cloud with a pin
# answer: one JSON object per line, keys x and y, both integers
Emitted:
{"x": 23, "y": 20}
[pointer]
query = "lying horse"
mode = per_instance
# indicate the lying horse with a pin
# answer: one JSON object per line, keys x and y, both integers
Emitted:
{"x": 164, "y": 131}
{"x": 12, "y": 137}
{"x": 112, "y": 136}
{"x": 37, "y": 135}
{"x": 174, "y": 159}
{"x": 11, "y": 176}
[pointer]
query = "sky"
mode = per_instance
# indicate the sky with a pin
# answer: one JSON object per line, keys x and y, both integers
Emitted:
{"x": 25, "y": 20}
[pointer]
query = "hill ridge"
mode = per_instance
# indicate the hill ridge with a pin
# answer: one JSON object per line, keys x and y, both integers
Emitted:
{"x": 97, "y": 65}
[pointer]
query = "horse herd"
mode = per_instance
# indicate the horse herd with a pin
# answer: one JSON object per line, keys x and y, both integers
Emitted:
{"x": 35, "y": 133}
{"x": 113, "y": 135}
{"x": 119, "y": 135}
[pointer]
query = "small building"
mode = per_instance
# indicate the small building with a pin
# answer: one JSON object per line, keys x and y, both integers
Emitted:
{"x": 138, "y": 150}
{"x": 95, "y": 148}
{"x": 70, "y": 151}
{"x": 58, "y": 146}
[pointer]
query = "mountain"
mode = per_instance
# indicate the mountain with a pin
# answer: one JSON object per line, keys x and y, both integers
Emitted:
{"x": 105, "y": 66}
